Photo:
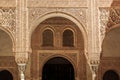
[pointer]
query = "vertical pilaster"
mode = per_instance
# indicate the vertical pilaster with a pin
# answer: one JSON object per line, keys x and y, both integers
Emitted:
{"x": 22, "y": 49}
{"x": 93, "y": 39}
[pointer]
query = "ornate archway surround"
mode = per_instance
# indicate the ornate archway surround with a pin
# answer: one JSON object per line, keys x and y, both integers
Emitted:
{"x": 40, "y": 57}
{"x": 44, "y": 57}
{"x": 38, "y": 15}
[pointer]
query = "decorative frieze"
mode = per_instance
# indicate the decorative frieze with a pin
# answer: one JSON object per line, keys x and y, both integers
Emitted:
{"x": 78, "y": 13}
{"x": 72, "y": 56}
{"x": 8, "y": 18}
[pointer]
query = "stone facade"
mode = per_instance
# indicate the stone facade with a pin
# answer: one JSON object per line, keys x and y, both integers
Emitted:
{"x": 90, "y": 21}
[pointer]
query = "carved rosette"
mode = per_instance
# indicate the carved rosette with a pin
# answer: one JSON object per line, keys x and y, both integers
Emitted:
{"x": 8, "y": 19}
{"x": 103, "y": 20}
{"x": 78, "y": 13}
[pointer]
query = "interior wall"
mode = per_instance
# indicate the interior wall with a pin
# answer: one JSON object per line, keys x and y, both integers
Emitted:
{"x": 5, "y": 44}
{"x": 111, "y": 44}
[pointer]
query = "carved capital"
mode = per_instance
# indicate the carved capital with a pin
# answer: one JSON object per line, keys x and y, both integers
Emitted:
{"x": 21, "y": 57}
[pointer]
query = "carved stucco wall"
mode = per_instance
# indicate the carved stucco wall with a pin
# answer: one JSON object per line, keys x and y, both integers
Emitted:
{"x": 91, "y": 14}
{"x": 79, "y": 9}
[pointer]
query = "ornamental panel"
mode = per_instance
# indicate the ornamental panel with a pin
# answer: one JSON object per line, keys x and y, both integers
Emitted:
{"x": 8, "y": 19}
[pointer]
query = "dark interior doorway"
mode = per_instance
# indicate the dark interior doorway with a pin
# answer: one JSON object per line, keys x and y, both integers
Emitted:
{"x": 58, "y": 68}
{"x": 5, "y": 75}
{"x": 111, "y": 75}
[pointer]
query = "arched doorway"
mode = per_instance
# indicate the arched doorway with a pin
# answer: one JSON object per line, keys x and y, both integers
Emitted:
{"x": 5, "y": 75}
{"x": 110, "y": 75}
{"x": 58, "y": 68}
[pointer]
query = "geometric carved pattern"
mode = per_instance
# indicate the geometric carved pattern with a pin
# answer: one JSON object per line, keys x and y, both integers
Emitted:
{"x": 8, "y": 18}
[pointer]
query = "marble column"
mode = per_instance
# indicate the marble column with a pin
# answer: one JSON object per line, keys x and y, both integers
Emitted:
{"x": 21, "y": 68}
